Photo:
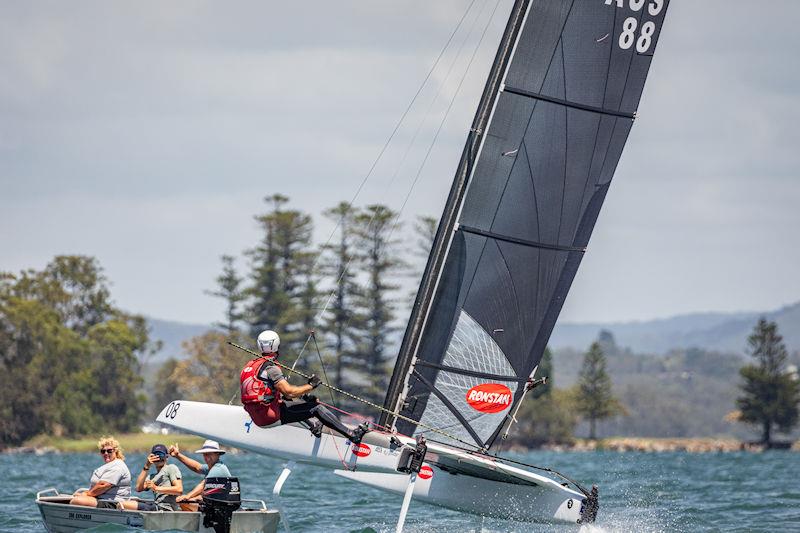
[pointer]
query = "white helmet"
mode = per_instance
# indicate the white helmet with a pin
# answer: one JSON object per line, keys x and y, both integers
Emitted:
{"x": 268, "y": 342}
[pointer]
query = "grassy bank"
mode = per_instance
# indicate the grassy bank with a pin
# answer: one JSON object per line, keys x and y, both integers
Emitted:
{"x": 130, "y": 442}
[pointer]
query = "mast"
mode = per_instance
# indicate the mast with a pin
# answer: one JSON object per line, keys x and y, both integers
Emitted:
{"x": 444, "y": 233}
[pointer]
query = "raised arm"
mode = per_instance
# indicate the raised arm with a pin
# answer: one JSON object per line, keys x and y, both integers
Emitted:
{"x": 190, "y": 463}
{"x": 142, "y": 477}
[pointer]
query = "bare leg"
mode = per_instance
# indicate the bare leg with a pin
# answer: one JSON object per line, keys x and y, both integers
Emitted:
{"x": 83, "y": 499}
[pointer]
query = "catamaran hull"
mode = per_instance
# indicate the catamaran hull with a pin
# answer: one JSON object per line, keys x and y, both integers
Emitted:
{"x": 479, "y": 496}
{"x": 492, "y": 489}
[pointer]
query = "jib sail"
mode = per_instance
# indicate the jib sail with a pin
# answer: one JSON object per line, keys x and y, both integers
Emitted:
{"x": 553, "y": 120}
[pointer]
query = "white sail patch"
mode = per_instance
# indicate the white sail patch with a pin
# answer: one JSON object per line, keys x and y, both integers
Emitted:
{"x": 471, "y": 348}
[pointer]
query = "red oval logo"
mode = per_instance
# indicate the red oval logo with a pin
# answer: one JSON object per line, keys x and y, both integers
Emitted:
{"x": 361, "y": 450}
{"x": 489, "y": 397}
{"x": 425, "y": 472}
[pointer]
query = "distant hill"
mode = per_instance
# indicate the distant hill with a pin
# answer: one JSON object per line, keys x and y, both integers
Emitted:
{"x": 710, "y": 331}
{"x": 172, "y": 334}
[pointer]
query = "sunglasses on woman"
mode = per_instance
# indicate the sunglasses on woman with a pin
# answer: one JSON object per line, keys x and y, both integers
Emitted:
{"x": 107, "y": 450}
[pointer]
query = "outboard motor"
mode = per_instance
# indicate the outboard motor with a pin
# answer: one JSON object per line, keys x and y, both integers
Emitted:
{"x": 221, "y": 497}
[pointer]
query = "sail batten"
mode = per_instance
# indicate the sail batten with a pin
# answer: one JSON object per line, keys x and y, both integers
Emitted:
{"x": 509, "y": 238}
{"x": 567, "y": 103}
{"x": 557, "y": 112}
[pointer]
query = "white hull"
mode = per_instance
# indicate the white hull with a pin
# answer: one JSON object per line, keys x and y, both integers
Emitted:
{"x": 510, "y": 493}
{"x": 478, "y": 496}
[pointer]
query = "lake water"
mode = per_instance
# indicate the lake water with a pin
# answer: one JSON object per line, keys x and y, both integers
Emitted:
{"x": 639, "y": 492}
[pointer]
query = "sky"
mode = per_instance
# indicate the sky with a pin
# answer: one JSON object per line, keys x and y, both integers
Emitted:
{"x": 147, "y": 134}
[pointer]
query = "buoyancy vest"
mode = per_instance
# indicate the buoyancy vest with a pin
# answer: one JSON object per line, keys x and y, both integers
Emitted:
{"x": 254, "y": 390}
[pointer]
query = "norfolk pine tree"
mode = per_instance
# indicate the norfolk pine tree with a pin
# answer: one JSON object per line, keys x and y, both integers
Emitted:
{"x": 339, "y": 265}
{"x": 281, "y": 286}
{"x": 378, "y": 262}
{"x": 229, "y": 288}
{"x": 594, "y": 396}
{"x": 771, "y": 394}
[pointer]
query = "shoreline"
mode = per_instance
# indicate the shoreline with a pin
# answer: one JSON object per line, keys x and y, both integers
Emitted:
{"x": 130, "y": 442}
{"x": 142, "y": 442}
{"x": 659, "y": 445}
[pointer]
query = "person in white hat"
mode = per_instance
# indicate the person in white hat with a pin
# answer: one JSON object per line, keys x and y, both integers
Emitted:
{"x": 214, "y": 466}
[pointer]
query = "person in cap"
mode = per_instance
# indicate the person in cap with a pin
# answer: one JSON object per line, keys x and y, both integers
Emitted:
{"x": 264, "y": 391}
{"x": 213, "y": 467}
{"x": 166, "y": 483}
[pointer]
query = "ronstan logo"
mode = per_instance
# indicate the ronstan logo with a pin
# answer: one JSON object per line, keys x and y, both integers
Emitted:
{"x": 361, "y": 450}
{"x": 425, "y": 472}
{"x": 489, "y": 397}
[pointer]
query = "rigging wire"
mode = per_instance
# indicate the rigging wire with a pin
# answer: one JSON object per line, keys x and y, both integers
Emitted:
{"x": 447, "y": 112}
{"x": 402, "y": 118}
{"x": 321, "y": 362}
{"x": 411, "y": 143}
{"x": 388, "y": 141}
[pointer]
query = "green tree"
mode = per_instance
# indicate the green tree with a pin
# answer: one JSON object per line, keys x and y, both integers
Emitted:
{"x": 282, "y": 282}
{"x": 229, "y": 288}
{"x": 549, "y": 419}
{"x": 425, "y": 228}
{"x": 379, "y": 263}
{"x": 69, "y": 360}
{"x": 166, "y": 386}
{"x": 73, "y": 286}
{"x": 338, "y": 264}
{"x": 594, "y": 395}
{"x": 547, "y": 415}
{"x": 607, "y": 343}
{"x": 210, "y": 373}
{"x": 771, "y": 394}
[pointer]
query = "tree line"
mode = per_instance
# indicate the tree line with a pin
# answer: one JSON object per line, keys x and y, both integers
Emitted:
{"x": 768, "y": 398}
{"x": 71, "y": 362}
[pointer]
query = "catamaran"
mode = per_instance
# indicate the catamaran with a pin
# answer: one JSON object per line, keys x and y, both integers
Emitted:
{"x": 556, "y": 111}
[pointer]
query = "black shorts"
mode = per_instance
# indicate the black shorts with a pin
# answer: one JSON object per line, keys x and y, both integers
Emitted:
{"x": 146, "y": 506}
{"x": 107, "y": 504}
{"x": 297, "y": 411}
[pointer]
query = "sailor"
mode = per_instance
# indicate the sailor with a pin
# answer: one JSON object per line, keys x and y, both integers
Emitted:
{"x": 264, "y": 390}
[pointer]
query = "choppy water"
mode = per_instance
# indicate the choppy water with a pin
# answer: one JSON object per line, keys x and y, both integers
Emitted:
{"x": 638, "y": 492}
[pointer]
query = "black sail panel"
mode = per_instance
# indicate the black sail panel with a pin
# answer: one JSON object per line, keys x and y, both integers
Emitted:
{"x": 552, "y": 145}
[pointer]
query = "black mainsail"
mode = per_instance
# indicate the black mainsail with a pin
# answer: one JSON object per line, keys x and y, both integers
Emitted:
{"x": 545, "y": 142}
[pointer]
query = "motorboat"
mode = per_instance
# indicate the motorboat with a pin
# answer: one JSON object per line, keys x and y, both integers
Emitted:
{"x": 60, "y": 517}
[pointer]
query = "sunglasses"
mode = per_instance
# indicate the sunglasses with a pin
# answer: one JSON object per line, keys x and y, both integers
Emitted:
{"x": 161, "y": 456}
{"x": 107, "y": 450}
